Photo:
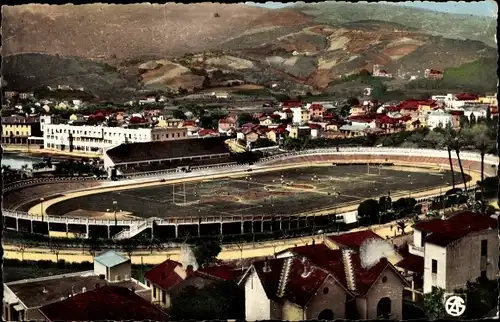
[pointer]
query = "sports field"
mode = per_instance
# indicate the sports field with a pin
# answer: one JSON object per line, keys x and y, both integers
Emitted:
{"x": 280, "y": 192}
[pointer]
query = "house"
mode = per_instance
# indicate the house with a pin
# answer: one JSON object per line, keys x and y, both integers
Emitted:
{"x": 221, "y": 95}
{"x": 208, "y": 132}
{"x": 19, "y": 129}
{"x": 488, "y": 99}
{"x": 357, "y": 110}
{"x": 277, "y": 133}
{"x": 300, "y": 115}
{"x": 433, "y": 74}
{"x": 227, "y": 124}
{"x": 291, "y": 104}
{"x": 439, "y": 118}
{"x": 446, "y": 244}
{"x": 113, "y": 266}
{"x": 22, "y": 299}
{"x": 25, "y": 96}
{"x": 316, "y": 111}
{"x": 112, "y": 303}
{"x": 266, "y": 121}
{"x": 10, "y": 94}
{"x": 299, "y": 131}
{"x": 162, "y": 278}
{"x": 316, "y": 282}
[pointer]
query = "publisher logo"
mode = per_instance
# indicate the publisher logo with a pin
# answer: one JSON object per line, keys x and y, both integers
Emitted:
{"x": 454, "y": 305}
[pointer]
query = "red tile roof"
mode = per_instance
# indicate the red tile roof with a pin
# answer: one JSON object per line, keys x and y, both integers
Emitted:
{"x": 287, "y": 110}
{"x": 163, "y": 275}
{"x": 443, "y": 232}
{"x": 204, "y": 132}
{"x": 189, "y": 123}
{"x": 105, "y": 303}
{"x": 224, "y": 272}
{"x": 435, "y": 71}
{"x": 466, "y": 97}
{"x": 316, "y": 107}
{"x": 355, "y": 239}
{"x": 297, "y": 288}
{"x": 314, "y": 126}
{"x": 292, "y": 103}
{"x": 331, "y": 260}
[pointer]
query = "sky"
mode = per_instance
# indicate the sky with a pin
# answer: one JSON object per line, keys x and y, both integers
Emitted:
{"x": 480, "y": 8}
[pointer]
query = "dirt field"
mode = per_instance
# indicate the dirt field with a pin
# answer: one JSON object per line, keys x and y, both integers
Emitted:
{"x": 280, "y": 192}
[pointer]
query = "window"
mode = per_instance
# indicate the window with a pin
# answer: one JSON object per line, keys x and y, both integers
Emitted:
{"x": 164, "y": 297}
{"x": 325, "y": 290}
{"x": 434, "y": 266}
{"x": 483, "y": 275}
{"x": 484, "y": 247}
{"x": 384, "y": 279}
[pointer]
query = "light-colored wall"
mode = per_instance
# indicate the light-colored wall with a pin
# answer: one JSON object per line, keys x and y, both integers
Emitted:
{"x": 333, "y": 300}
{"x": 257, "y": 305}
{"x": 468, "y": 250}
{"x": 292, "y": 312}
{"x": 392, "y": 288}
{"x": 120, "y": 272}
{"x": 439, "y": 279}
{"x": 361, "y": 306}
{"x": 100, "y": 269}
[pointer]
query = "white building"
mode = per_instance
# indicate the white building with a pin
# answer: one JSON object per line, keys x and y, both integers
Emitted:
{"x": 438, "y": 118}
{"x": 95, "y": 139}
{"x": 113, "y": 266}
{"x": 477, "y": 112}
{"x": 300, "y": 115}
{"x": 459, "y": 249}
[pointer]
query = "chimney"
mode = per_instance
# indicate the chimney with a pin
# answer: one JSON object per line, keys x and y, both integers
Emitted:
{"x": 45, "y": 290}
{"x": 73, "y": 289}
{"x": 266, "y": 268}
{"x": 84, "y": 289}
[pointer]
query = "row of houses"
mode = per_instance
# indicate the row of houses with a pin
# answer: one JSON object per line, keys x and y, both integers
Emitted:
{"x": 338, "y": 277}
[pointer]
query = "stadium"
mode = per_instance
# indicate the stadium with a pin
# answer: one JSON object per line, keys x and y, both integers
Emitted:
{"x": 216, "y": 196}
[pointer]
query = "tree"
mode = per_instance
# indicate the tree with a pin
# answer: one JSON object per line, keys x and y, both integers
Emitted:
{"x": 369, "y": 210}
{"x": 55, "y": 249}
{"x": 352, "y": 101}
{"x": 246, "y": 118}
{"x": 206, "y": 252}
{"x": 179, "y": 114}
{"x": 479, "y": 297}
{"x": 130, "y": 246}
{"x": 21, "y": 248}
{"x": 385, "y": 203}
{"x": 93, "y": 246}
{"x": 220, "y": 300}
{"x": 433, "y": 302}
{"x": 449, "y": 143}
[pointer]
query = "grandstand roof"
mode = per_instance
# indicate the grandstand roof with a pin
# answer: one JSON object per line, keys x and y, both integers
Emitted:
{"x": 164, "y": 150}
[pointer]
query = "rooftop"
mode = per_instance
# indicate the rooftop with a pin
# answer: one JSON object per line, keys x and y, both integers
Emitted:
{"x": 223, "y": 272}
{"x": 104, "y": 303}
{"x": 137, "y": 152}
{"x": 42, "y": 291}
{"x": 442, "y": 232}
{"x": 165, "y": 275}
{"x": 353, "y": 240}
{"x": 110, "y": 259}
{"x": 297, "y": 288}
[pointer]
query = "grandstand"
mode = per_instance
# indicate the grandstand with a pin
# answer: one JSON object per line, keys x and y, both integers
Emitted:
{"x": 156, "y": 156}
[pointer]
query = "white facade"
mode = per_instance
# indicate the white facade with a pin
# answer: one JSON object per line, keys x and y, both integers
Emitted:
{"x": 444, "y": 266}
{"x": 96, "y": 138}
{"x": 46, "y": 120}
{"x": 438, "y": 118}
{"x": 478, "y": 113}
{"x": 300, "y": 115}
{"x": 257, "y": 305}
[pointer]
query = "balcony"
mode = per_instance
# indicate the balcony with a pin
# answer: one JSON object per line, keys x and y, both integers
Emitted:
{"x": 415, "y": 250}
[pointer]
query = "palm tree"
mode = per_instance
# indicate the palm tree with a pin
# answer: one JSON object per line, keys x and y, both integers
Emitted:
{"x": 448, "y": 136}
{"x": 458, "y": 143}
{"x": 479, "y": 137}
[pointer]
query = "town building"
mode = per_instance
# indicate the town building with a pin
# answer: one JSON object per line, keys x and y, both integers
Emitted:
{"x": 446, "y": 244}
{"x": 317, "y": 282}
{"x": 439, "y": 119}
{"x": 107, "y": 303}
{"x": 23, "y": 299}
{"x": 113, "y": 266}
{"x": 433, "y": 74}
{"x": 18, "y": 129}
{"x": 300, "y": 115}
{"x": 95, "y": 139}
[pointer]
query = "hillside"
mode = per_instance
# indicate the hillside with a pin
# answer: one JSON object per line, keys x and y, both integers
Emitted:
{"x": 426, "y": 21}
{"x": 112, "y": 50}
